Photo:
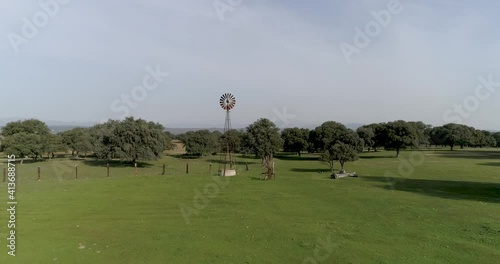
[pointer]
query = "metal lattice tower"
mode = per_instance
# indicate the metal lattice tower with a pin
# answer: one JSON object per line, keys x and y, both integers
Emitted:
{"x": 227, "y": 102}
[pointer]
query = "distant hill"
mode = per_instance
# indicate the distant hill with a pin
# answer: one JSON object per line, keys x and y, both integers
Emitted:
{"x": 177, "y": 131}
{"x": 352, "y": 126}
{"x": 61, "y": 128}
{"x": 4, "y": 121}
{"x": 54, "y": 126}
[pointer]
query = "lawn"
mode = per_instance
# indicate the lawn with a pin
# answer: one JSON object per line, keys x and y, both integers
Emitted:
{"x": 441, "y": 207}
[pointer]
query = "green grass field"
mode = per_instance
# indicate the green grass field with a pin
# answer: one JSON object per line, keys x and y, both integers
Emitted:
{"x": 443, "y": 209}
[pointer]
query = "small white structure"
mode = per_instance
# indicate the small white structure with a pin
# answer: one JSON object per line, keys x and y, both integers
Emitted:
{"x": 227, "y": 173}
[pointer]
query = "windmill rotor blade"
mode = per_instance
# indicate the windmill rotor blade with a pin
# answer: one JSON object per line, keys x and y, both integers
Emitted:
{"x": 227, "y": 101}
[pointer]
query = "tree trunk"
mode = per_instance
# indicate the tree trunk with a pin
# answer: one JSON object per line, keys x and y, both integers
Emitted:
{"x": 268, "y": 167}
{"x": 397, "y": 152}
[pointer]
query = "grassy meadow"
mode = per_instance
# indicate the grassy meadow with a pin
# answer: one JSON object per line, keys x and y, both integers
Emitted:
{"x": 441, "y": 207}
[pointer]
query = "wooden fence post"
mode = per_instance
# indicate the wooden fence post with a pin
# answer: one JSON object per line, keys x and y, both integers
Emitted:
{"x": 135, "y": 165}
{"x": 164, "y": 169}
{"x": 187, "y": 167}
{"x": 39, "y": 172}
{"x": 107, "y": 169}
{"x": 76, "y": 171}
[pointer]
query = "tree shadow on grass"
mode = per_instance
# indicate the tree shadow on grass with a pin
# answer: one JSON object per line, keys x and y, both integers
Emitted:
{"x": 185, "y": 156}
{"x": 247, "y": 156}
{"x": 495, "y": 164}
{"x": 310, "y": 170}
{"x": 459, "y": 190}
{"x": 468, "y": 154}
{"x": 296, "y": 157}
{"x": 216, "y": 161}
{"x": 385, "y": 156}
{"x": 28, "y": 161}
{"x": 116, "y": 163}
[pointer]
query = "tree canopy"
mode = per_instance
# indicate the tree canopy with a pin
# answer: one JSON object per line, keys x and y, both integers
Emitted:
{"x": 263, "y": 138}
{"x": 399, "y": 135}
{"x": 78, "y": 140}
{"x": 129, "y": 140}
{"x": 200, "y": 142}
{"x": 30, "y": 126}
{"x": 24, "y": 144}
{"x": 496, "y": 136}
{"x": 323, "y": 136}
{"x": 231, "y": 141}
{"x": 456, "y": 134}
{"x": 422, "y": 131}
{"x": 343, "y": 153}
{"x": 136, "y": 139}
{"x": 27, "y": 138}
{"x": 368, "y": 135}
{"x": 295, "y": 139}
{"x": 461, "y": 135}
{"x": 56, "y": 144}
{"x": 338, "y": 143}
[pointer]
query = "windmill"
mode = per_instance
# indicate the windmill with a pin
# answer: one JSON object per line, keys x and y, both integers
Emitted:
{"x": 227, "y": 102}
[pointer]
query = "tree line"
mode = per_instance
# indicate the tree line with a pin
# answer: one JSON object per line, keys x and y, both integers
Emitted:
{"x": 397, "y": 135}
{"x": 136, "y": 139}
{"x": 334, "y": 141}
{"x": 128, "y": 140}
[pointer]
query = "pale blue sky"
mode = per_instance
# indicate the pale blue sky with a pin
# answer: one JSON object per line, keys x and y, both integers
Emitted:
{"x": 269, "y": 54}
